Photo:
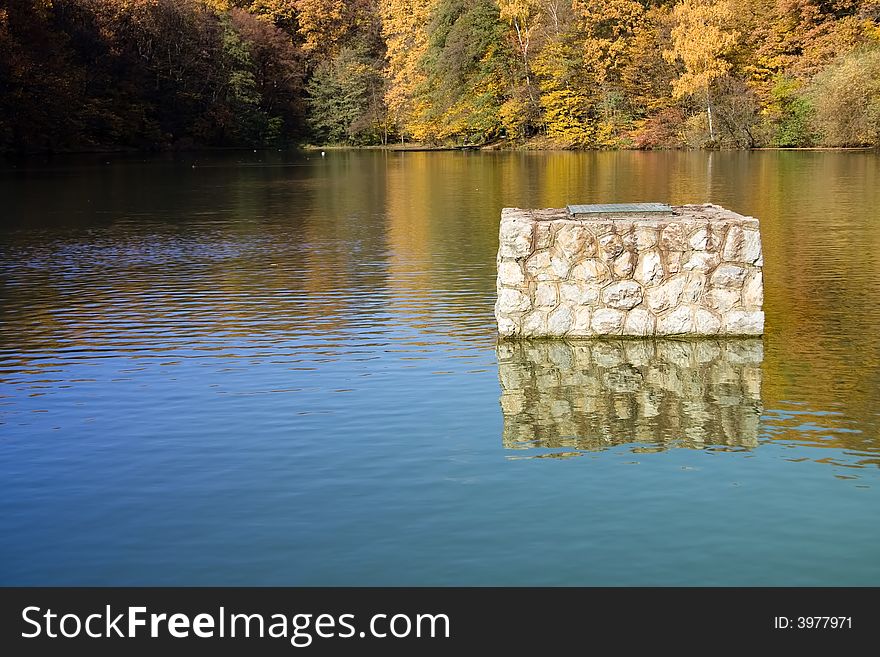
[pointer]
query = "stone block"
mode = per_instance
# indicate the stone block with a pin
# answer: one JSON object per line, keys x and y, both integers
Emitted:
{"x": 694, "y": 271}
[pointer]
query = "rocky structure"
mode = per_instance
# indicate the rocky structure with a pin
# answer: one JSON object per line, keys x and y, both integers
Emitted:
{"x": 684, "y": 270}
{"x": 656, "y": 393}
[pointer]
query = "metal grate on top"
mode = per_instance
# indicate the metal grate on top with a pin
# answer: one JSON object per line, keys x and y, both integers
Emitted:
{"x": 617, "y": 209}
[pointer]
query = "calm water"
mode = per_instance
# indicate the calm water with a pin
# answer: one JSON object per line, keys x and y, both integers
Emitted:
{"x": 274, "y": 369}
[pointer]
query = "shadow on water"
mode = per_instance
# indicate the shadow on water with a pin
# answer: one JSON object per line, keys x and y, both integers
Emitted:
{"x": 574, "y": 396}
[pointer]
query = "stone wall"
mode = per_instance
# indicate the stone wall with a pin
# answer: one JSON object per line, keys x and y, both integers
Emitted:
{"x": 594, "y": 394}
{"x": 695, "y": 272}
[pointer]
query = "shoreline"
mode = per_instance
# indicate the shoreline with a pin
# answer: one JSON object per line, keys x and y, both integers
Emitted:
{"x": 525, "y": 148}
{"x": 11, "y": 157}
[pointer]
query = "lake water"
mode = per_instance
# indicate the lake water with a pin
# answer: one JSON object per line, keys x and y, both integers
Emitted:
{"x": 278, "y": 368}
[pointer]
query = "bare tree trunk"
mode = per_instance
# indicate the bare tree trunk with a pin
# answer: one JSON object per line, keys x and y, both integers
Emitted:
{"x": 524, "y": 50}
{"x": 553, "y": 8}
{"x": 709, "y": 112}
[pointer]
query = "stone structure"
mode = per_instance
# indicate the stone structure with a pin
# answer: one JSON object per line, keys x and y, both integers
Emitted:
{"x": 694, "y": 270}
{"x": 594, "y": 394}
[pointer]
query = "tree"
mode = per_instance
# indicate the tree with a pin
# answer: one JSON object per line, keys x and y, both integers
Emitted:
{"x": 524, "y": 16}
{"x": 147, "y": 74}
{"x": 278, "y": 70}
{"x": 736, "y": 113}
{"x": 789, "y": 114}
{"x": 565, "y": 100}
{"x": 405, "y": 32}
{"x": 281, "y": 13}
{"x": 608, "y": 27}
{"x": 84, "y": 74}
{"x": 701, "y": 43}
{"x": 804, "y": 36}
{"x": 466, "y": 70}
{"x": 846, "y": 96}
{"x": 327, "y": 26}
{"x": 42, "y": 103}
{"x": 345, "y": 99}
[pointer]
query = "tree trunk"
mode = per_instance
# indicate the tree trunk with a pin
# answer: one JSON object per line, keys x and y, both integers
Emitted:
{"x": 524, "y": 51}
{"x": 709, "y": 112}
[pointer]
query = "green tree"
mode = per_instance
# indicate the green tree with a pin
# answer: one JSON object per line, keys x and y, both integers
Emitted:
{"x": 789, "y": 114}
{"x": 246, "y": 120}
{"x": 466, "y": 71}
{"x": 345, "y": 99}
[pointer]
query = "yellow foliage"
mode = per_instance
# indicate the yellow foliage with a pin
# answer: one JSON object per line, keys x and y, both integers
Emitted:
{"x": 701, "y": 42}
{"x": 404, "y": 29}
{"x": 328, "y": 25}
{"x": 606, "y": 135}
{"x": 276, "y": 11}
{"x": 514, "y": 115}
{"x": 608, "y": 27}
{"x": 526, "y": 12}
{"x": 218, "y": 6}
{"x": 562, "y": 119}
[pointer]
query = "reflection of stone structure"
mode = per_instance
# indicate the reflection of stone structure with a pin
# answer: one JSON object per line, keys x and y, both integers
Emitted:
{"x": 692, "y": 270}
{"x": 597, "y": 393}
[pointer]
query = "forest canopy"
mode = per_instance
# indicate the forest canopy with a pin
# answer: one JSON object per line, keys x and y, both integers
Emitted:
{"x": 156, "y": 74}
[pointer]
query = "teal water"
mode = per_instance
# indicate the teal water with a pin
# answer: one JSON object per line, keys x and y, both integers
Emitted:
{"x": 273, "y": 368}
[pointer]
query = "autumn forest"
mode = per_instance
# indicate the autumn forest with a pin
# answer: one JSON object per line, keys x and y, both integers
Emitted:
{"x": 159, "y": 74}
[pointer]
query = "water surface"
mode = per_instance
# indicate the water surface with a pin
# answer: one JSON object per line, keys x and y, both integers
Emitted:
{"x": 272, "y": 368}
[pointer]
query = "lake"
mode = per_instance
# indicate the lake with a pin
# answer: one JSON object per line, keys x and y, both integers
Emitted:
{"x": 273, "y": 368}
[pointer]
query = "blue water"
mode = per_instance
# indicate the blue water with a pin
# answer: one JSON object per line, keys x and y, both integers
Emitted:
{"x": 276, "y": 369}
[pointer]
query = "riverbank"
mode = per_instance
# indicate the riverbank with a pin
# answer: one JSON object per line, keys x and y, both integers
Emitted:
{"x": 506, "y": 145}
{"x": 13, "y": 158}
